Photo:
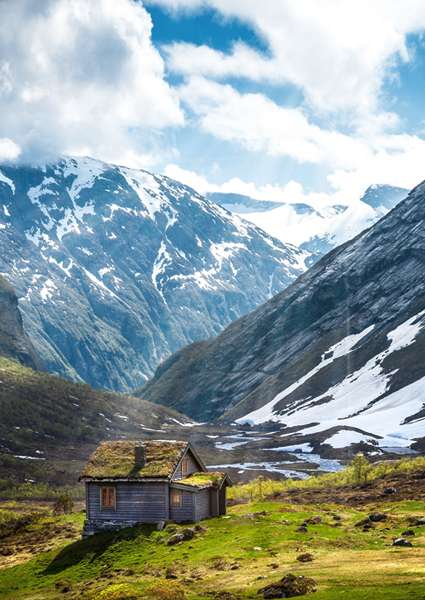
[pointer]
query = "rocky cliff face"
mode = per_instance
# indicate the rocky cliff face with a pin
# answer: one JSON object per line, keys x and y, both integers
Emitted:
{"x": 14, "y": 343}
{"x": 117, "y": 268}
{"x": 338, "y": 354}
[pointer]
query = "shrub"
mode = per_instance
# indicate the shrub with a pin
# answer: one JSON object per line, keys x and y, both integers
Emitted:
{"x": 165, "y": 591}
{"x": 361, "y": 469}
{"x": 119, "y": 591}
{"x": 63, "y": 505}
{"x": 269, "y": 487}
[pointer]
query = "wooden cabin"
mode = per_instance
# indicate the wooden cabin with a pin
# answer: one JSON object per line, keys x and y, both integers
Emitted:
{"x": 131, "y": 482}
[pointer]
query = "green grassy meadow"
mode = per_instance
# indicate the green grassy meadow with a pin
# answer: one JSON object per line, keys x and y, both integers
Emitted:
{"x": 234, "y": 557}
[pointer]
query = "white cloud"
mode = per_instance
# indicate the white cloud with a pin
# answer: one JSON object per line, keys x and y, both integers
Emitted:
{"x": 78, "y": 76}
{"x": 8, "y": 149}
{"x": 258, "y": 124}
{"x": 261, "y": 125}
{"x": 337, "y": 52}
{"x": 290, "y": 193}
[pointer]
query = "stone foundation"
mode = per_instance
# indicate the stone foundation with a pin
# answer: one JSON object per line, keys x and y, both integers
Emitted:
{"x": 92, "y": 527}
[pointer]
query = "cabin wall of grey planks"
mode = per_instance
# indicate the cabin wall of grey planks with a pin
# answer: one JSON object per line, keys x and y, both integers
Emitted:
{"x": 191, "y": 464}
{"x": 185, "y": 512}
{"x": 202, "y": 504}
{"x": 138, "y": 502}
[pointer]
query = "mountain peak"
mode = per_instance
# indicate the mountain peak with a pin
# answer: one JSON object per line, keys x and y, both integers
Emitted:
{"x": 116, "y": 267}
{"x": 340, "y": 348}
{"x": 384, "y": 197}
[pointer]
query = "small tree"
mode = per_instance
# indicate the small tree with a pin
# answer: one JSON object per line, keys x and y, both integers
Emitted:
{"x": 361, "y": 468}
{"x": 260, "y": 487}
{"x": 63, "y": 505}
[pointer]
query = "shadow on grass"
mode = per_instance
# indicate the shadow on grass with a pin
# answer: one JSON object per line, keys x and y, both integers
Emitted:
{"x": 94, "y": 547}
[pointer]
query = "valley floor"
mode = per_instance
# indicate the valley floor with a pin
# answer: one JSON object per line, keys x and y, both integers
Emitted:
{"x": 229, "y": 558}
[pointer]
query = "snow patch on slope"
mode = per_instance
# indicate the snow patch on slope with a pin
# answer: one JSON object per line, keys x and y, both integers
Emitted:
{"x": 86, "y": 171}
{"x": 346, "y": 437}
{"x": 354, "y": 401}
{"x": 265, "y": 413}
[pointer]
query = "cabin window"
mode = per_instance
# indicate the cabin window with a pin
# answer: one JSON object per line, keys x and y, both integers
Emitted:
{"x": 108, "y": 498}
{"x": 185, "y": 467}
{"x": 176, "y": 498}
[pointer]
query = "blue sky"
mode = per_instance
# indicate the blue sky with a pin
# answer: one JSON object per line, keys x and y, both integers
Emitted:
{"x": 204, "y": 153}
{"x": 294, "y": 100}
{"x": 396, "y": 100}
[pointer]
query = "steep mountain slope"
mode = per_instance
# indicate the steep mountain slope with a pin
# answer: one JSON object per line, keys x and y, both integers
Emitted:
{"x": 14, "y": 343}
{"x": 338, "y": 354}
{"x": 316, "y": 228}
{"x": 47, "y": 424}
{"x": 117, "y": 268}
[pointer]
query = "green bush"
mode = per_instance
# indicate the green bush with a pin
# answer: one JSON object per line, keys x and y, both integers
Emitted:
{"x": 361, "y": 469}
{"x": 269, "y": 487}
{"x": 63, "y": 505}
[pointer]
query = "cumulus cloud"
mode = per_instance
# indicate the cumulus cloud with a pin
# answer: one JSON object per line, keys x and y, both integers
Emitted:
{"x": 337, "y": 52}
{"x": 290, "y": 193}
{"x": 260, "y": 125}
{"x": 82, "y": 77}
{"x": 8, "y": 149}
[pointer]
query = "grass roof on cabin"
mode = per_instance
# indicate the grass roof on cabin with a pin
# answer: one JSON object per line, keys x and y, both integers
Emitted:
{"x": 116, "y": 460}
{"x": 203, "y": 480}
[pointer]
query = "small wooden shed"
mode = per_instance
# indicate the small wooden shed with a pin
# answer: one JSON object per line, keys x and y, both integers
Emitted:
{"x": 131, "y": 482}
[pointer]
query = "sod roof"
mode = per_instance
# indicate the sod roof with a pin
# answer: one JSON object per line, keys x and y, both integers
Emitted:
{"x": 116, "y": 460}
{"x": 204, "y": 480}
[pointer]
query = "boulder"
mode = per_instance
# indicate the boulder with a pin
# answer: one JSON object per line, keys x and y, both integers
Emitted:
{"x": 188, "y": 533}
{"x": 408, "y": 533}
{"x": 377, "y": 517}
{"x": 418, "y": 521}
{"x": 175, "y": 539}
{"x": 170, "y": 573}
{"x": 363, "y": 522}
{"x": 305, "y": 557}
{"x": 313, "y": 520}
{"x": 402, "y": 542}
{"x": 289, "y": 586}
{"x": 389, "y": 490}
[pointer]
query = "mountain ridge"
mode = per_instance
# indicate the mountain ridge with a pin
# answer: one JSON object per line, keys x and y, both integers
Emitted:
{"x": 117, "y": 268}
{"x": 375, "y": 279}
{"x": 316, "y": 227}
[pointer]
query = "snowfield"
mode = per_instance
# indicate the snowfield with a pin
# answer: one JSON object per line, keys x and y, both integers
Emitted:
{"x": 361, "y": 400}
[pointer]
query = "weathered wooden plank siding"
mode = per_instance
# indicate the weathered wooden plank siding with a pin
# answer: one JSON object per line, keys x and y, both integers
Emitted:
{"x": 202, "y": 504}
{"x": 214, "y": 502}
{"x": 140, "y": 502}
{"x": 192, "y": 466}
{"x": 185, "y": 512}
{"x": 222, "y": 500}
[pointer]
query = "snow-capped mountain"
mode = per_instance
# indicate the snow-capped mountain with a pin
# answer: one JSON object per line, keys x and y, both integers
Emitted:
{"x": 316, "y": 228}
{"x": 116, "y": 268}
{"x": 338, "y": 357}
{"x": 240, "y": 204}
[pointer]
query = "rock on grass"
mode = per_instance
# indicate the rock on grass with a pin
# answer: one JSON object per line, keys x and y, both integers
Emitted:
{"x": 306, "y": 557}
{"x": 402, "y": 542}
{"x": 289, "y": 586}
